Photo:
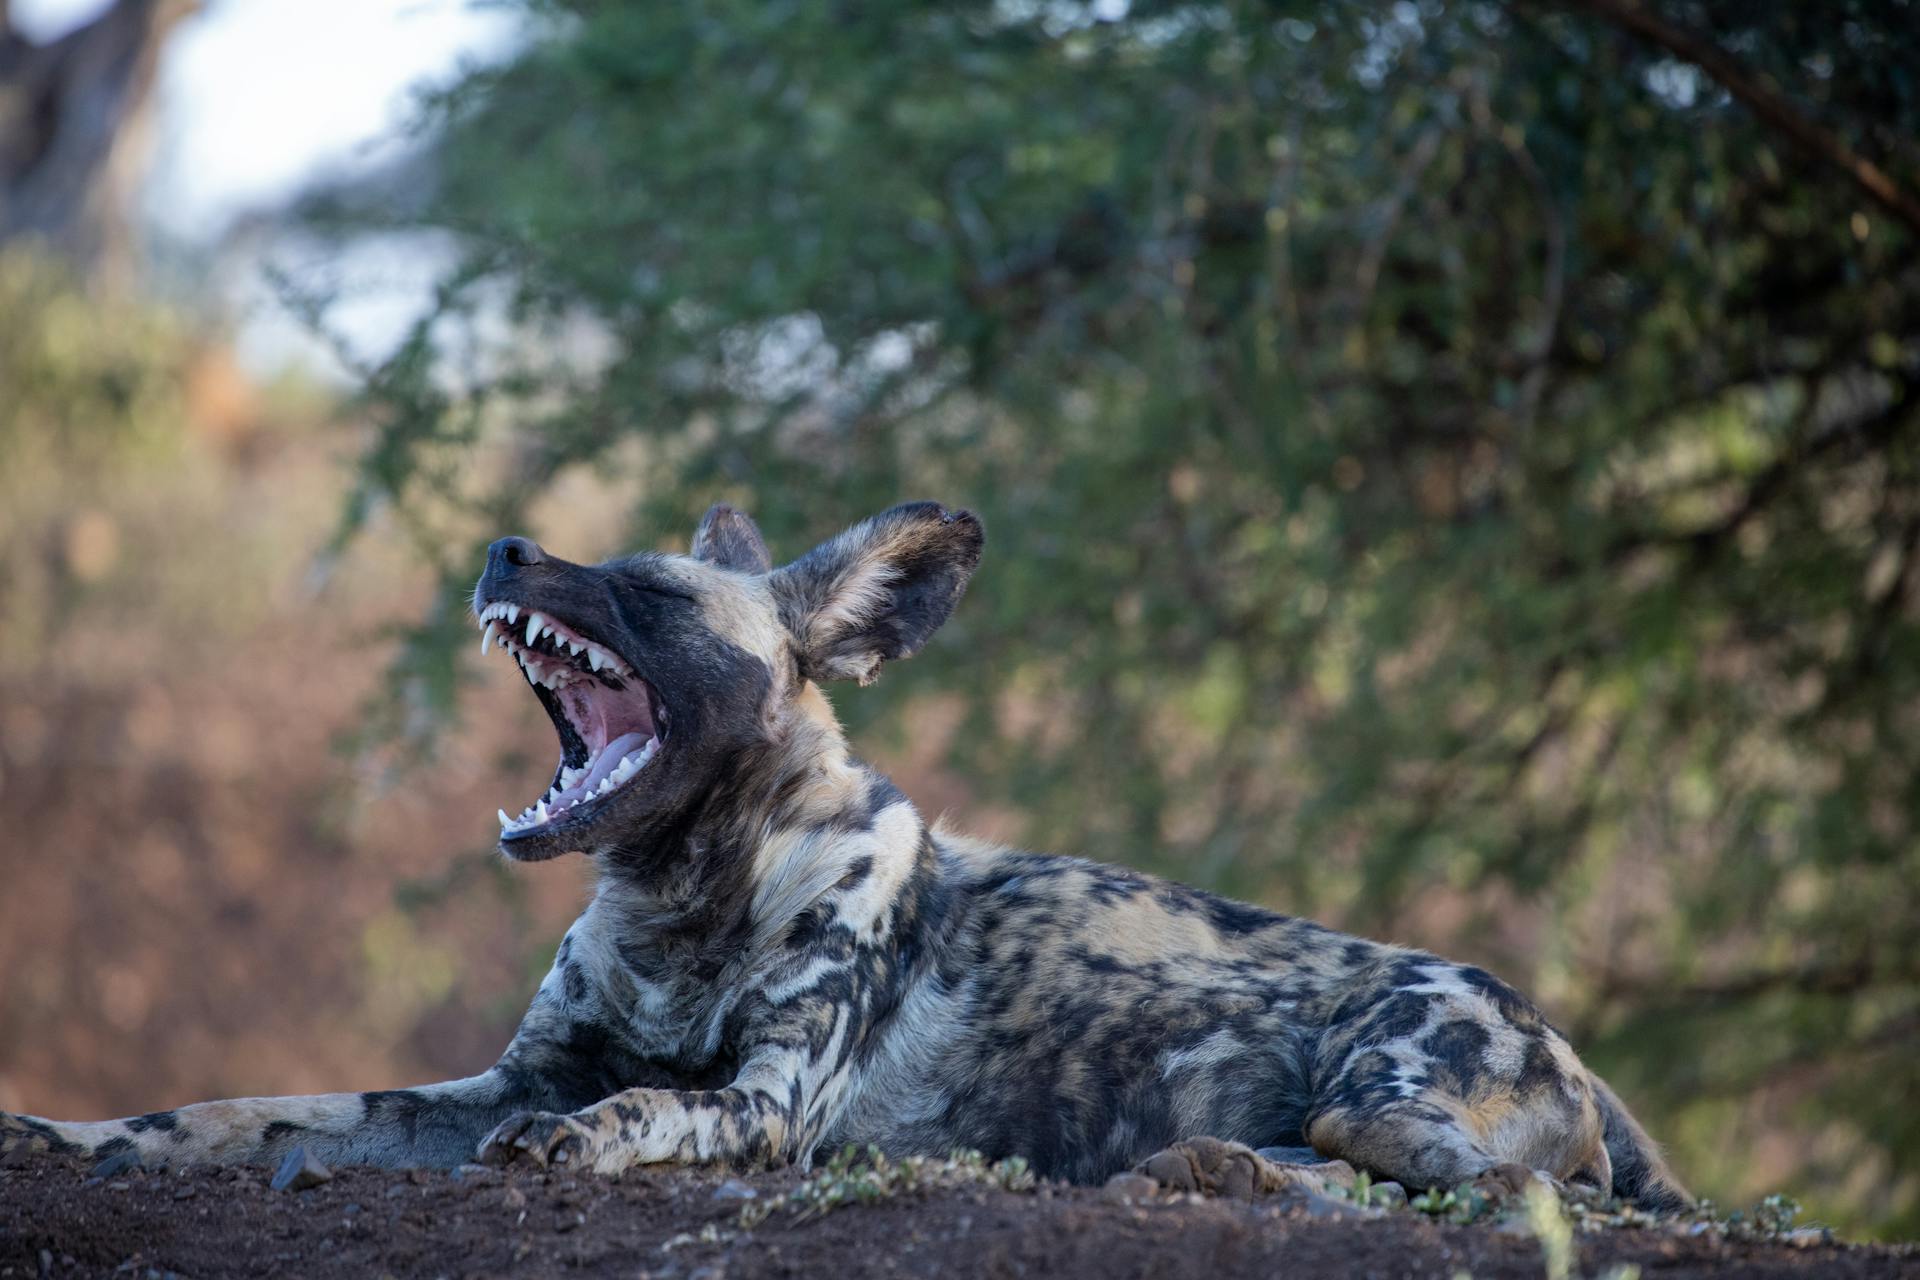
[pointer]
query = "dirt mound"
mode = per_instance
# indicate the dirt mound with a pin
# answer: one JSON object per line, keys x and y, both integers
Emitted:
{"x": 56, "y": 1219}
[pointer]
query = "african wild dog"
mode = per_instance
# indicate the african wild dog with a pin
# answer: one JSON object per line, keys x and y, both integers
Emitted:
{"x": 782, "y": 956}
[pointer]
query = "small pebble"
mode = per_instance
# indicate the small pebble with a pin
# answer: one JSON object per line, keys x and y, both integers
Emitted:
{"x": 117, "y": 1163}
{"x": 1129, "y": 1187}
{"x": 1388, "y": 1195}
{"x": 1319, "y": 1206}
{"x": 735, "y": 1189}
{"x": 300, "y": 1170}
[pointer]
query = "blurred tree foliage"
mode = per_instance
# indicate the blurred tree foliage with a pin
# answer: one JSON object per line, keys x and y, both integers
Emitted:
{"x": 1448, "y": 466}
{"x": 92, "y": 383}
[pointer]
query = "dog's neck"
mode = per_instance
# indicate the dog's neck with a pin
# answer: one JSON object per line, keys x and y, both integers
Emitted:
{"x": 788, "y": 821}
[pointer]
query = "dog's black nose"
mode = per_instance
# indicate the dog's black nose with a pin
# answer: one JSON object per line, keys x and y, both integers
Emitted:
{"x": 513, "y": 553}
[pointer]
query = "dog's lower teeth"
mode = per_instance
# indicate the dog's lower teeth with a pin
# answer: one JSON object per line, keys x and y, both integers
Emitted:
{"x": 561, "y": 661}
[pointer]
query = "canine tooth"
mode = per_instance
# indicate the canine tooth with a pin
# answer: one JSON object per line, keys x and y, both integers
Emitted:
{"x": 533, "y": 627}
{"x": 505, "y": 821}
{"x": 486, "y": 641}
{"x": 540, "y": 813}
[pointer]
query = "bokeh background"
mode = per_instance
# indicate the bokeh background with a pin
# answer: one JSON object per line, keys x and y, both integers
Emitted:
{"x": 1450, "y": 469}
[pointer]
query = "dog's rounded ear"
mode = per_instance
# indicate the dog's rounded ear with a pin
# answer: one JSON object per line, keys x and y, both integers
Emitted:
{"x": 731, "y": 540}
{"x": 877, "y": 591}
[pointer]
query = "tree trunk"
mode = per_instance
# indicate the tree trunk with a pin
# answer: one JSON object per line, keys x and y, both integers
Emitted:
{"x": 73, "y": 115}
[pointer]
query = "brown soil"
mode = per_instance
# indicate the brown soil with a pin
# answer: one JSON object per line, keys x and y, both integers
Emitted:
{"x": 57, "y": 1220}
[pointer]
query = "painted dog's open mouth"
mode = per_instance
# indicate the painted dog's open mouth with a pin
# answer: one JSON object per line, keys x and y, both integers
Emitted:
{"x": 611, "y": 722}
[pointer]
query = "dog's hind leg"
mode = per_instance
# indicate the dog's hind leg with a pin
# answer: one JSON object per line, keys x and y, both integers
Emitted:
{"x": 1216, "y": 1166}
{"x": 1430, "y": 1075}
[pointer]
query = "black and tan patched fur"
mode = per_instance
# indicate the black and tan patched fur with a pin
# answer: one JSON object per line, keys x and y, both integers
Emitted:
{"x": 781, "y": 956}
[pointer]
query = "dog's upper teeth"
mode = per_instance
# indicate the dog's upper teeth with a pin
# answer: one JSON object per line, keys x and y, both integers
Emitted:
{"x": 593, "y": 657}
{"x": 486, "y": 640}
{"x": 505, "y": 821}
{"x": 540, "y": 813}
{"x": 534, "y": 622}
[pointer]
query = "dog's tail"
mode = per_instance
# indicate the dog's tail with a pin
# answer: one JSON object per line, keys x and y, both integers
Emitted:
{"x": 1640, "y": 1173}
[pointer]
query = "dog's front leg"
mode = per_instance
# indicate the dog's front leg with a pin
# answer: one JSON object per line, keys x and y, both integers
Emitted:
{"x": 797, "y": 1055}
{"x": 764, "y": 1118}
{"x": 433, "y": 1125}
{"x": 547, "y": 1065}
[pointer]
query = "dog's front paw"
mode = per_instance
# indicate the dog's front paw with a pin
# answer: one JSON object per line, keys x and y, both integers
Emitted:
{"x": 23, "y": 1136}
{"x": 538, "y": 1137}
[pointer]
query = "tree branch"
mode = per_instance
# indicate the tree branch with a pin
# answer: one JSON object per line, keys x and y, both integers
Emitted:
{"x": 1772, "y": 108}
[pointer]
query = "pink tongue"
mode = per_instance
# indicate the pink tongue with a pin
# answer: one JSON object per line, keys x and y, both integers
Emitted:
{"x": 609, "y": 759}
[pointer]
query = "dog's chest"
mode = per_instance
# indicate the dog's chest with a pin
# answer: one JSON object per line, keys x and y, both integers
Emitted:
{"x": 658, "y": 1002}
{"x": 900, "y": 1089}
